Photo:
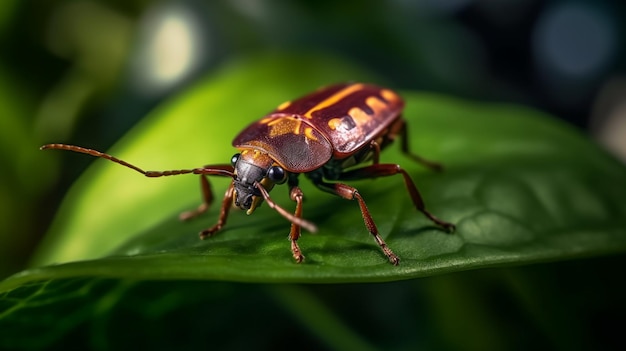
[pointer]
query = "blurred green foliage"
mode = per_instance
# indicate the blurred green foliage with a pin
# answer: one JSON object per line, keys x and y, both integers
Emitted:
{"x": 564, "y": 306}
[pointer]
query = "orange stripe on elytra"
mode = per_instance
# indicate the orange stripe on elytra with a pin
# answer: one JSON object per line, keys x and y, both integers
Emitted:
{"x": 333, "y": 99}
{"x": 375, "y": 104}
{"x": 389, "y": 95}
{"x": 308, "y": 133}
{"x": 283, "y": 106}
{"x": 358, "y": 116}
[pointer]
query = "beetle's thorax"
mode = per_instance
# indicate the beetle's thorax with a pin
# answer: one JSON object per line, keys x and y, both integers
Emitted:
{"x": 251, "y": 167}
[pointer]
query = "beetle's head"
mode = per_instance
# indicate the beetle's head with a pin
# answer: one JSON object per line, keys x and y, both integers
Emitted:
{"x": 251, "y": 167}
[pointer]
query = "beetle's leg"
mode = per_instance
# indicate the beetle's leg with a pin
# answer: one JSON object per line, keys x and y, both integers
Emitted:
{"x": 349, "y": 193}
{"x": 291, "y": 218}
{"x": 295, "y": 193}
{"x": 400, "y": 129}
{"x": 383, "y": 170}
{"x": 207, "y": 199}
{"x": 375, "y": 146}
{"x": 205, "y": 188}
{"x": 227, "y": 203}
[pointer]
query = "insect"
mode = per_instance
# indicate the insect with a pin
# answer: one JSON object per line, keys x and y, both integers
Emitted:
{"x": 332, "y": 135}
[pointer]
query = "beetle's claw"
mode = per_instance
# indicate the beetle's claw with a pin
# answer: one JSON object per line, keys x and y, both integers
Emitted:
{"x": 297, "y": 254}
{"x": 395, "y": 260}
{"x": 449, "y": 227}
{"x": 207, "y": 233}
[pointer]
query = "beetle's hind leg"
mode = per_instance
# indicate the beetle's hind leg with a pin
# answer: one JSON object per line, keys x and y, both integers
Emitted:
{"x": 399, "y": 128}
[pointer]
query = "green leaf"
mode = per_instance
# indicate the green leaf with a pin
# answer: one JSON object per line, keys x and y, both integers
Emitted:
{"x": 520, "y": 186}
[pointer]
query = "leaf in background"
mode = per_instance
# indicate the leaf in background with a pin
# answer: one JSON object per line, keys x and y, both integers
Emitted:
{"x": 521, "y": 187}
{"x": 570, "y": 305}
{"x": 25, "y": 173}
{"x": 98, "y": 313}
{"x": 7, "y": 13}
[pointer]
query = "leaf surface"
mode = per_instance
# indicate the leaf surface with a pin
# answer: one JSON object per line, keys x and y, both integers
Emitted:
{"x": 520, "y": 186}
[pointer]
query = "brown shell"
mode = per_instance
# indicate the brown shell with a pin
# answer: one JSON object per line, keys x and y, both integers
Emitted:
{"x": 334, "y": 121}
{"x": 290, "y": 141}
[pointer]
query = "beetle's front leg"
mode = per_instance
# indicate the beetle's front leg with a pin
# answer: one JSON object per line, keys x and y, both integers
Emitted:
{"x": 207, "y": 193}
{"x": 349, "y": 193}
{"x": 295, "y": 193}
{"x": 207, "y": 199}
{"x": 227, "y": 203}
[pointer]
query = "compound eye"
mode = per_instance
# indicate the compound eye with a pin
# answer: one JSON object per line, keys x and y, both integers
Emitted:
{"x": 234, "y": 159}
{"x": 277, "y": 174}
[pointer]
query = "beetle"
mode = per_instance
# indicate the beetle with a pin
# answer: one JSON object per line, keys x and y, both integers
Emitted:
{"x": 332, "y": 135}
